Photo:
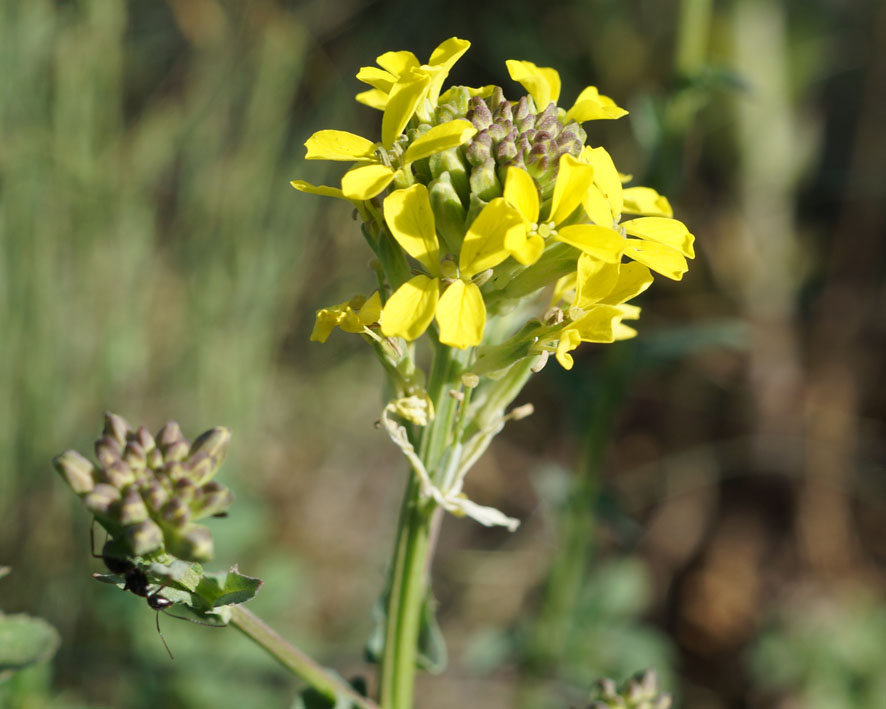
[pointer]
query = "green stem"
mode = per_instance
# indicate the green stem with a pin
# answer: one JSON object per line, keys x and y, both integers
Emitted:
{"x": 294, "y": 659}
{"x": 408, "y": 586}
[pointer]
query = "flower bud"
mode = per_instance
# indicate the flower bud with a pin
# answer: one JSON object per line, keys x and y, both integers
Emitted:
{"x": 132, "y": 508}
{"x": 118, "y": 474}
{"x": 154, "y": 459}
{"x": 134, "y": 454}
{"x": 213, "y": 442}
{"x": 175, "y": 451}
{"x": 117, "y": 428}
{"x": 175, "y": 513}
{"x": 77, "y": 471}
{"x": 155, "y": 495}
{"x": 503, "y": 113}
{"x": 101, "y": 498}
{"x": 184, "y": 490}
{"x": 451, "y": 161}
{"x": 479, "y": 114}
{"x": 484, "y": 181}
{"x": 169, "y": 434}
{"x": 480, "y": 149}
{"x": 213, "y": 499}
{"x": 195, "y": 544}
{"x": 449, "y": 214}
{"x": 107, "y": 450}
{"x": 144, "y": 438}
{"x": 144, "y": 537}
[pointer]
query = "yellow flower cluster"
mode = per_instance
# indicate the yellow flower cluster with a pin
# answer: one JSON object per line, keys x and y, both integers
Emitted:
{"x": 492, "y": 201}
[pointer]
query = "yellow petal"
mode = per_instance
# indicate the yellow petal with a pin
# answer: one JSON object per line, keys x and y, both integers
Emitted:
{"x": 590, "y": 105}
{"x": 410, "y": 309}
{"x": 526, "y": 248}
{"x": 598, "y": 323}
{"x": 542, "y": 83}
{"x": 409, "y": 217}
{"x": 671, "y": 232}
{"x": 323, "y": 190}
{"x": 605, "y": 244}
{"x": 522, "y": 194}
{"x": 484, "y": 244}
{"x": 595, "y": 280}
{"x": 377, "y": 78}
{"x": 371, "y": 310}
{"x": 573, "y": 180}
{"x": 339, "y": 145}
{"x": 461, "y": 315}
{"x": 569, "y": 340}
{"x": 597, "y": 206}
{"x": 606, "y": 177}
{"x": 443, "y": 58}
{"x": 410, "y": 88}
{"x": 398, "y": 62}
{"x": 562, "y": 288}
{"x": 633, "y": 279}
{"x": 327, "y": 320}
{"x": 660, "y": 258}
{"x": 373, "y": 98}
{"x": 439, "y": 138}
{"x": 646, "y": 201}
{"x": 366, "y": 181}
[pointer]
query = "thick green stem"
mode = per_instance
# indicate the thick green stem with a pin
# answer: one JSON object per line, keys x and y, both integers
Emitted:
{"x": 295, "y": 660}
{"x": 410, "y": 571}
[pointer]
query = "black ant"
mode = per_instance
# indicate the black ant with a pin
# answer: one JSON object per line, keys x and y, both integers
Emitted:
{"x": 136, "y": 581}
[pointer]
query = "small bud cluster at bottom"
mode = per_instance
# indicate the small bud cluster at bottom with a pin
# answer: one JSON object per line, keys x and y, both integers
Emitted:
{"x": 639, "y": 692}
{"x": 148, "y": 491}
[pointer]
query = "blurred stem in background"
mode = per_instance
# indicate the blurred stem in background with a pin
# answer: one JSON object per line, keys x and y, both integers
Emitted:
{"x": 548, "y": 636}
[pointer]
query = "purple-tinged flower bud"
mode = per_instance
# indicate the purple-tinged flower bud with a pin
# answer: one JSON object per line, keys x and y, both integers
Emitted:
{"x": 173, "y": 470}
{"x": 213, "y": 499}
{"x": 522, "y": 111}
{"x": 505, "y": 152}
{"x": 107, "y": 450}
{"x": 101, "y": 499}
{"x": 195, "y": 544}
{"x": 175, "y": 451}
{"x": 480, "y": 149}
{"x": 155, "y": 495}
{"x": 77, "y": 471}
{"x": 144, "y": 438}
{"x": 497, "y": 131}
{"x": 547, "y": 120}
{"x": 199, "y": 468}
{"x": 116, "y": 427}
{"x": 496, "y": 98}
{"x": 175, "y": 513}
{"x": 185, "y": 489}
{"x": 169, "y": 434}
{"x": 213, "y": 443}
{"x": 154, "y": 459}
{"x": 503, "y": 113}
{"x": 134, "y": 455}
{"x": 479, "y": 114}
{"x": 144, "y": 537}
{"x": 132, "y": 508}
{"x": 118, "y": 474}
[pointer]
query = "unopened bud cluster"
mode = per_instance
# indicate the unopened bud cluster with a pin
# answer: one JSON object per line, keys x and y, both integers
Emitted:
{"x": 639, "y": 692}
{"x": 149, "y": 491}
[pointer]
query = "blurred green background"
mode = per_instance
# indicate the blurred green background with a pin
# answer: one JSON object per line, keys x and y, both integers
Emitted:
{"x": 709, "y": 499}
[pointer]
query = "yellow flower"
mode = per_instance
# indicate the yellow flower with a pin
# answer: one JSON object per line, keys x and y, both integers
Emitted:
{"x": 574, "y": 178}
{"x": 599, "y": 304}
{"x": 459, "y": 310}
{"x": 543, "y": 84}
{"x": 401, "y": 68}
{"x": 354, "y": 315}
{"x": 375, "y": 170}
{"x": 662, "y": 243}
